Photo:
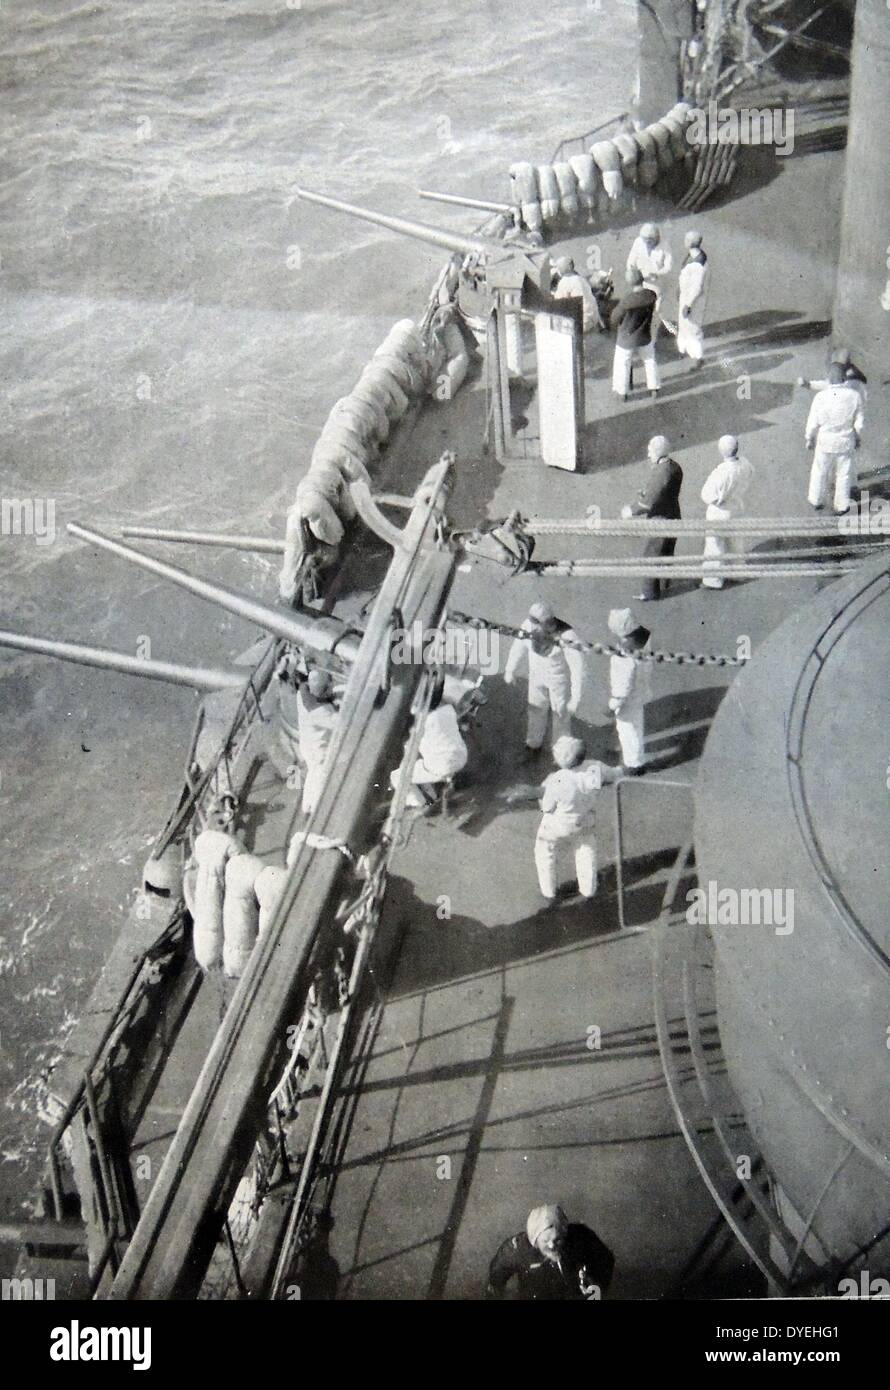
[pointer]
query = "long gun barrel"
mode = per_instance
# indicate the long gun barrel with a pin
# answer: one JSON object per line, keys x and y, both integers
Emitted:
{"x": 461, "y": 202}
{"x": 261, "y": 545}
{"x": 437, "y": 236}
{"x": 322, "y": 634}
{"x": 198, "y": 677}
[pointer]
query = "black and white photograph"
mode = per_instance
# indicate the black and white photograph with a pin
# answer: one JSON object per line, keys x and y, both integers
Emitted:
{"x": 444, "y": 529}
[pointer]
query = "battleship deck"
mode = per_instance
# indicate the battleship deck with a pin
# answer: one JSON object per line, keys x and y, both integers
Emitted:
{"x": 477, "y": 1048}
{"x": 479, "y": 1054}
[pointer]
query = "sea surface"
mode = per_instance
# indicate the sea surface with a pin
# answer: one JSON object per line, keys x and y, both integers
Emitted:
{"x": 174, "y": 327}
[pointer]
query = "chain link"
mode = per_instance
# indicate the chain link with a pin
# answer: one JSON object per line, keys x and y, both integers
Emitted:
{"x": 664, "y": 658}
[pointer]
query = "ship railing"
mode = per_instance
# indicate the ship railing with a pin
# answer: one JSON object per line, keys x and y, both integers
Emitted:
{"x": 109, "y": 1205}
{"x": 579, "y": 144}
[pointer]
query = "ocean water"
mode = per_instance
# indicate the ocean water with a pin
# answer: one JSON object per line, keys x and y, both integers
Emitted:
{"x": 174, "y": 327}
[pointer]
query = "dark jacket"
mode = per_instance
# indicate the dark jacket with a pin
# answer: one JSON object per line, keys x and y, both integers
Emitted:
{"x": 632, "y": 316}
{"x": 660, "y": 494}
{"x": 585, "y": 1259}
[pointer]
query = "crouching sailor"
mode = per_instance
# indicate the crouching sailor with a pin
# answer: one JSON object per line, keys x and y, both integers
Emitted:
{"x": 552, "y": 1259}
{"x": 441, "y": 753}
{"x": 555, "y": 673}
{"x": 629, "y": 688}
{"x": 316, "y": 720}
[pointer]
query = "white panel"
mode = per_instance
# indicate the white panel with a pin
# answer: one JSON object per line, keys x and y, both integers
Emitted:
{"x": 555, "y": 342}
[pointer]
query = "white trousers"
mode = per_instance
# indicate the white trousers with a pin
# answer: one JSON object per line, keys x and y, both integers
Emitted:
{"x": 827, "y": 468}
{"x": 425, "y": 776}
{"x": 536, "y": 730}
{"x": 715, "y": 546}
{"x": 313, "y": 781}
{"x": 621, "y": 364}
{"x": 690, "y": 338}
{"x": 630, "y": 726}
{"x": 583, "y": 844}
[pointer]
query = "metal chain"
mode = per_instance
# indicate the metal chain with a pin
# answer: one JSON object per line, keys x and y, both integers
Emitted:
{"x": 601, "y": 648}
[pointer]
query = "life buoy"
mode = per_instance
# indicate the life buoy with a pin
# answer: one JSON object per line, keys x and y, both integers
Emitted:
{"x": 268, "y": 887}
{"x": 566, "y": 178}
{"x": 629, "y": 152}
{"x": 525, "y": 193}
{"x": 586, "y": 173}
{"x": 662, "y": 137}
{"x": 213, "y": 850}
{"x": 608, "y": 161}
{"x": 241, "y": 913}
{"x": 548, "y": 192}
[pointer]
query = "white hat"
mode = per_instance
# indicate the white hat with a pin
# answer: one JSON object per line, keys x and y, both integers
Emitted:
{"x": 660, "y": 445}
{"x": 622, "y": 622}
{"x": 567, "y": 751}
{"x": 541, "y": 613}
{"x": 649, "y": 231}
{"x": 563, "y": 265}
{"x": 728, "y": 445}
{"x": 693, "y": 238}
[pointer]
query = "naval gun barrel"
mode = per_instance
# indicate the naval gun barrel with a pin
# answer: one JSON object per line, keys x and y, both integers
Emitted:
{"x": 260, "y": 545}
{"x": 421, "y": 231}
{"x": 321, "y": 634}
{"x": 482, "y": 204}
{"x": 198, "y": 677}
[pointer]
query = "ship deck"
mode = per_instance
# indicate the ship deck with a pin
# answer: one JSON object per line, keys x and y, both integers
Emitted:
{"x": 478, "y": 1053}
{"x": 474, "y": 1094}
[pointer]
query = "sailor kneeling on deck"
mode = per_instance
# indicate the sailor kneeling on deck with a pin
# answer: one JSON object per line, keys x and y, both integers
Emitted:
{"x": 442, "y": 752}
{"x": 552, "y": 1259}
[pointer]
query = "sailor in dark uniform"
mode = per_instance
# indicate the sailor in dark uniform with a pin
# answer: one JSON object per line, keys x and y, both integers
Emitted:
{"x": 658, "y": 497}
{"x": 552, "y": 1259}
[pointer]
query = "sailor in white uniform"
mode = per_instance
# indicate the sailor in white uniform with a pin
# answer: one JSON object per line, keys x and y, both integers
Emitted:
{"x": 652, "y": 258}
{"x": 571, "y": 285}
{"x": 629, "y": 688}
{"x": 568, "y": 803}
{"x": 724, "y": 493}
{"x": 441, "y": 753}
{"x": 316, "y": 720}
{"x": 834, "y": 427}
{"x": 693, "y": 298}
{"x": 555, "y": 673}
